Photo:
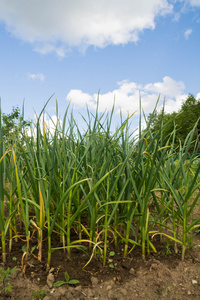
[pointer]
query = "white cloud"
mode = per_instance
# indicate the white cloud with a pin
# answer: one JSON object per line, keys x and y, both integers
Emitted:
{"x": 47, "y": 48}
{"x": 198, "y": 96}
{"x": 187, "y": 33}
{"x": 194, "y": 2}
{"x": 80, "y": 99}
{"x": 169, "y": 87}
{"x": 127, "y": 97}
{"x": 37, "y": 76}
{"x": 51, "y": 25}
{"x": 174, "y": 104}
{"x": 50, "y": 124}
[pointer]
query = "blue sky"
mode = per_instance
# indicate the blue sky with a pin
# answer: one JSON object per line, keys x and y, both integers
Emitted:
{"x": 77, "y": 48}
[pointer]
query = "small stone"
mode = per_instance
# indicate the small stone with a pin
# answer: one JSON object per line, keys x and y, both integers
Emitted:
{"x": 46, "y": 298}
{"x": 132, "y": 271}
{"x": 51, "y": 270}
{"x": 189, "y": 293}
{"x": 78, "y": 288}
{"x": 62, "y": 290}
{"x": 94, "y": 280}
{"x": 52, "y": 291}
{"x": 50, "y": 280}
{"x": 194, "y": 281}
{"x": 109, "y": 287}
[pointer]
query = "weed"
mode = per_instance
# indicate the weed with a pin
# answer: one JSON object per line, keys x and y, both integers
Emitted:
{"x": 4, "y": 276}
{"x": 67, "y": 281}
{"x": 163, "y": 291}
{"x": 112, "y": 253}
{"x": 167, "y": 248}
{"x": 40, "y": 295}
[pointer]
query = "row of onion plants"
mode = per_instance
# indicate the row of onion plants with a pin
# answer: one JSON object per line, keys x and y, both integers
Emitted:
{"x": 107, "y": 187}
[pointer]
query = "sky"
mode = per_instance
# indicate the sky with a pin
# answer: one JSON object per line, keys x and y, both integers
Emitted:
{"x": 118, "y": 49}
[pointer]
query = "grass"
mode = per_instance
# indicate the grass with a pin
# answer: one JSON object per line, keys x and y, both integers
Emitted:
{"x": 106, "y": 187}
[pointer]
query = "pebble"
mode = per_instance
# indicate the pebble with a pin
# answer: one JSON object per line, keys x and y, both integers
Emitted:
{"x": 132, "y": 271}
{"x": 78, "y": 288}
{"x": 194, "y": 281}
{"x": 109, "y": 287}
{"x": 62, "y": 290}
{"x": 51, "y": 270}
{"x": 94, "y": 280}
{"x": 50, "y": 280}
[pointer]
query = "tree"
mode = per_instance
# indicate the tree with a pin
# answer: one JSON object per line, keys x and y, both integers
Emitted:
{"x": 182, "y": 121}
{"x": 12, "y": 124}
{"x": 189, "y": 114}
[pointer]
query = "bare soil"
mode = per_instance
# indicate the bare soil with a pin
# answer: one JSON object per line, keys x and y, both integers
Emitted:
{"x": 163, "y": 275}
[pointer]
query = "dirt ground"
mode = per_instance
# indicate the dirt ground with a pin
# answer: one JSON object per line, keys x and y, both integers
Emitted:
{"x": 161, "y": 276}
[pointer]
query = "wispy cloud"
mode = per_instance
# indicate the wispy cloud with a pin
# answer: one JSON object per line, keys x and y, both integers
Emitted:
{"x": 187, "y": 33}
{"x": 127, "y": 96}
{"x": 194, "y": 2}
{"x": 37, "y": 76}
{"x": 80, "y": 23}
{"x": 198, "y": 96}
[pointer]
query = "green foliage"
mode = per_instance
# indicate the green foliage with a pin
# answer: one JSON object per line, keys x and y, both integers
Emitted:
{"x": 40, "y": 295}
{"x": 163, "y": 291}
{"x": 181, "y": 122}
{"x": 112, "y": 253}
{"x": 108, "y": 188}
{"x": 67, "y": 281}
{"x": 13, "y": 123}
{"x": 4, "y": 277}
